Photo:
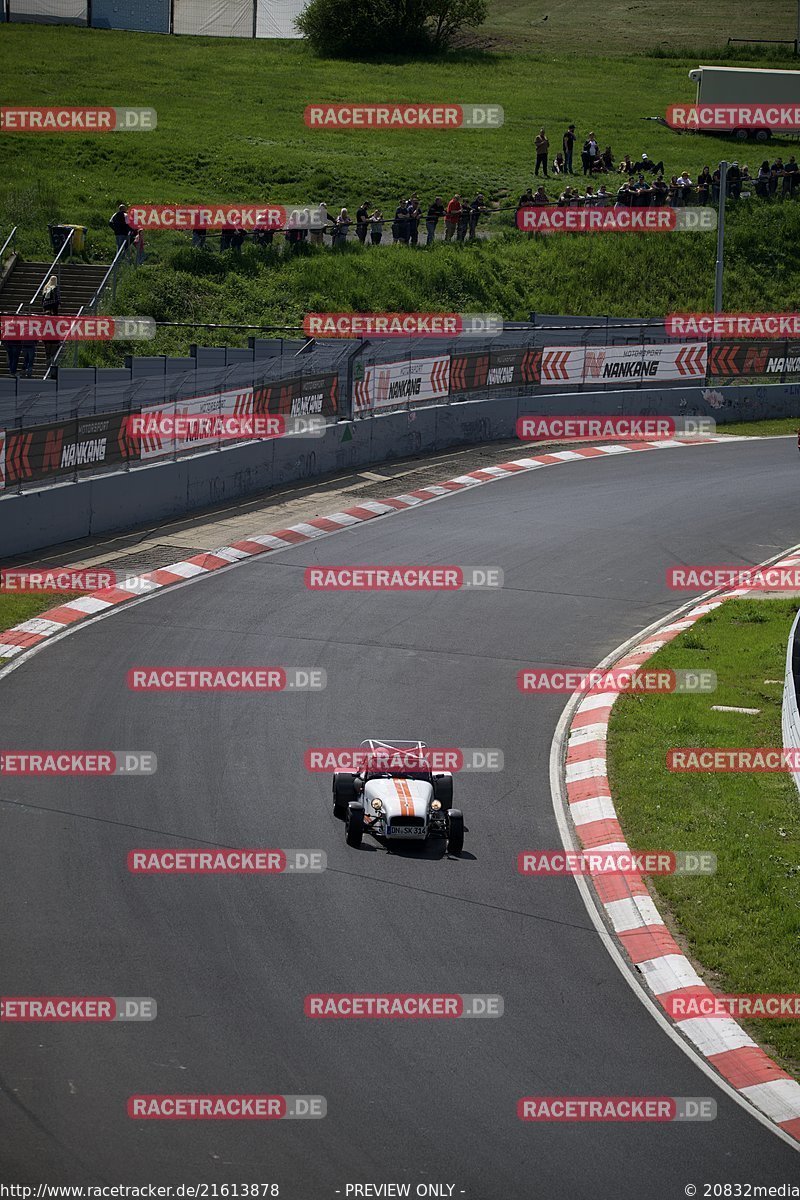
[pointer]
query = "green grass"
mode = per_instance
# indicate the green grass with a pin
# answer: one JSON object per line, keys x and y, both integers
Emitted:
{"x": 17, "y": 608}
{"x": 742, "y": 924}
{"x": 230, "y": 127}
{"x": 780, "y": 427}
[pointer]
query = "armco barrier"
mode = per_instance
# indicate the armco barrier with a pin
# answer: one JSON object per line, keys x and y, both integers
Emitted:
{"x": 156, "y": 491}
{"x": 790, "y": 717}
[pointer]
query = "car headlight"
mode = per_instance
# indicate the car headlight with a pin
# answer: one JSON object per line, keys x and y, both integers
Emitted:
{"x": 377, "y": 804}
{"x": 436, "y": 805}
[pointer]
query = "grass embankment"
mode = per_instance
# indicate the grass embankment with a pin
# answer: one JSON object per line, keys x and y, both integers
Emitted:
{"x": 230, "y": 127}
{"x": 16, "y": 609}
{"x": 742, "y": 924}
{"x": 779, "y": 427}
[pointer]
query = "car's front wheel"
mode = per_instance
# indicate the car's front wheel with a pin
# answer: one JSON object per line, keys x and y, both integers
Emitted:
{"x": 344, "y": 790}
{"x": 455, "y": 831}
{"x": 354, "y": 825}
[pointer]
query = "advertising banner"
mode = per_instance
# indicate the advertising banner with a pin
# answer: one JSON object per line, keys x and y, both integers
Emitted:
{"x": 614, "y": 364}
{"x": 754, "y": 358}
{"x": 388, "y": 385}
{"x": 513, "y": 368}
{"x": 63, "y": 447}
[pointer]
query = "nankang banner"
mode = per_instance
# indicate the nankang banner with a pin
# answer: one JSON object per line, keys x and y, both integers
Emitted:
{"x": 386, "y": 385}
{"x": 754, "y": 358}
{"x": 615, "y": 364}
{"x": 64, "y": 447}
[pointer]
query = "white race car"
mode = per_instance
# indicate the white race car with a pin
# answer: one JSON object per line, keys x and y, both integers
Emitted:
{"x": 396, "y": 794}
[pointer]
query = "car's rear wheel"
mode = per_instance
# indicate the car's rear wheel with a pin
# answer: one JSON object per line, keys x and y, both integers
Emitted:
{"x": 443, "y": 791}
{"x": 354, "y": 825}
{"x": 455, "y": 831}
{"x": 344, "y": 790}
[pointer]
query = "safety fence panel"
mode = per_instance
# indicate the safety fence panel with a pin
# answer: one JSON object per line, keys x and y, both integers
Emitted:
{"x": 148, "y": 16}
{"x": 215, "y": 18}
{"x": 51, "y": 12}
{"x": 275, "y": 18}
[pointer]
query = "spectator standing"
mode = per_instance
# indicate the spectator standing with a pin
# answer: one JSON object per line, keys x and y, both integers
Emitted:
{"x": 451, "y": 217}
{"x": 603, "y": 196}
{"x": 542, "y": 147}
{"x": 734, "y": 181}
{"x": 591, "y": 199}
{"x": 28, "y": 347}
{"x": 138, "y": 245}
{"x": 414, "y": 217}
{"x": 362, "y": 222}
{"x": 568, "y": 145}
{"x": 51, "y": 297}
{"x": 541, "y": 196}
{"x": 318, "y": 224}
{"x": 463, "y": 221}
{"x": 762, "y": 180}
{"x": 199, "y": 236}
{"x": 624, "y": 195}
{"x": 476, "y": 209}
{"x": 592, "y": 153}
{"x": 119, "y": 223}
{"x": 790, "y": 177}
{"x": 400, "y": 224}
{"x": 12, "y": 348}
{"x": 376, "y": 227}
{"x": 343, "y": 223}
{"x": 435, "y": 211}
{"x": 607, "y": 159}
{"x": 704, "y": 186}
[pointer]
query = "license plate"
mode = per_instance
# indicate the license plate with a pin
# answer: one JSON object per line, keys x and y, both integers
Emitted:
{"x": 406, "y": 831}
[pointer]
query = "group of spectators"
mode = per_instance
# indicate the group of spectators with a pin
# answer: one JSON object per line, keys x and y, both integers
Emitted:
{"x": 771, "y": 179}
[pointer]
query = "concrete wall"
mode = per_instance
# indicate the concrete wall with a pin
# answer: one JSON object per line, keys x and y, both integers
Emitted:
{"x": 124, "y": 499}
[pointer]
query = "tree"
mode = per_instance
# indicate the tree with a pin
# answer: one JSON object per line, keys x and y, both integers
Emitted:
{"x": 387, "y": 26}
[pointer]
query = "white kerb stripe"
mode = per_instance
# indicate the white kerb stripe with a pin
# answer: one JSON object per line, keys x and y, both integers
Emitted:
{"x": 186, "y": 570}
{"x": 8, "y": 651}
{"x": 599, "y": 808}
{"x": 88, "y": 604}
{"x": 229, "y": 553}
{"x": 669, "y": 973}
{"x": 589, "y": 733}
{"x": 310, "y": 531}
{"x": 715, "y": 1035}
{"x": 39, "y": 625}
{"x": 779, "y": 1099}
{"x": 597, "y": 700}
{"x": 632, "y": 913}
{"x": 590, "y": 769}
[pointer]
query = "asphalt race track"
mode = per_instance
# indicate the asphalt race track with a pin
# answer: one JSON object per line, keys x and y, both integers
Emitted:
{"x": 584, "y": 548}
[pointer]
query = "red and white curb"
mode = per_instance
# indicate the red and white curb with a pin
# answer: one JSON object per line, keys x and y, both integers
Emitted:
{"x": 29, "y": 634}
{"x": 626, "y": 902}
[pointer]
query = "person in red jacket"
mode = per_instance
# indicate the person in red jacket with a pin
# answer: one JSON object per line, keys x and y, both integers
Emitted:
{"x": 451, "y": 217}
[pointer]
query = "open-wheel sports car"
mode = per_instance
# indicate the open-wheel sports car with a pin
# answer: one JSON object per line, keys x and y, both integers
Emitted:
{"x": 396, "y": 794}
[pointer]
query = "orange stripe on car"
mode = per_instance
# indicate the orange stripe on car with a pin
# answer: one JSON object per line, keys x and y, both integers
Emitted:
{"x": 404, "y": 796}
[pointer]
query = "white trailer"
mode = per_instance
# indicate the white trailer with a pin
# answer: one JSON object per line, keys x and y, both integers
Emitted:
{"x": 746, "y": 85}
